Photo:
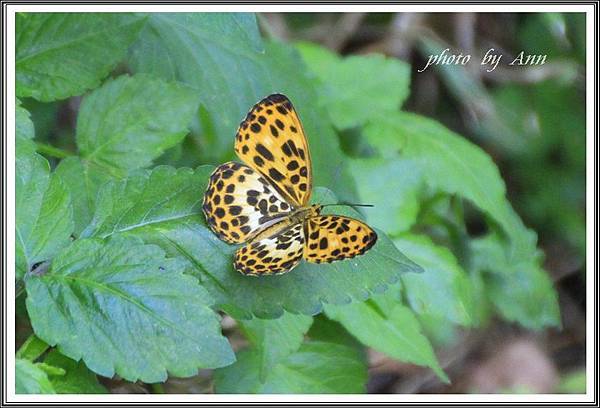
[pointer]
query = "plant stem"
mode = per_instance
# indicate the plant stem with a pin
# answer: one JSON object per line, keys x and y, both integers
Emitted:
{"x": 157, "y": 388}
{"x": 52, "y": 151}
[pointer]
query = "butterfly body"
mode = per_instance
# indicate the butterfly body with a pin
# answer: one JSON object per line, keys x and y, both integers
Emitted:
{"x": 264, "y": 202}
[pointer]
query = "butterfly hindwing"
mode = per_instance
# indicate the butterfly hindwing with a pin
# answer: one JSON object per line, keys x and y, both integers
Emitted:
{"x": 271, "y": 140}
{"x": 273, "y": 255}
{"x": 333, "y": 237}
{"x": 239, "y": 202}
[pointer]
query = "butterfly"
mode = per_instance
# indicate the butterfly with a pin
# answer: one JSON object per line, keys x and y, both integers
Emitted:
{"x": 264, "y": 202}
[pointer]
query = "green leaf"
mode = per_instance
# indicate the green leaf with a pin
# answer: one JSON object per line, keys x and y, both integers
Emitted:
{"x": 444, "y": 289}
{"x": 130, "y": 121}
{"x": 25, "y": 128}
{"x": 522, "y": 291}
{"x": 387, "y": 326}
{"x": 83, "y": 179}
{"x": 63, "y": 54}
{"x": 126, "y": 309}
{"x": 163, "y": 206}
{"x": 24, "y": 131}
{"x": 467, "y": 171}
{"x": 31, "y": 379}
{"x": 317, "y": 368}
{"x": 32, "y": 348}
{"x": 396, "y": 199}
{"x": 357, "y": 88}
{"x": 215, "y": 53}
{"x": 222, "y": 57}
{"x": 78, "y": 379}
{"x": 275, "y": 339}
{"x": 43, "y": 212}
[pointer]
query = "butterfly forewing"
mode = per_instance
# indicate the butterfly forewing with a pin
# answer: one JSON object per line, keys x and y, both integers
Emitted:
{"x": 272, "y": 141}
{"x": 273, "y": 255}
{"x": 239, "y": 202}
{"x": 332, "y": 237}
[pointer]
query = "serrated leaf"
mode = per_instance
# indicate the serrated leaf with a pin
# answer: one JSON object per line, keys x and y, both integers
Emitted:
{"x": 63, "y": 54}
{"x": 77, "y": 379}
{"x": 215, "y": 53}
{"x": 357, "y": 88}
{"x": 126, "y": 309}
{"x": 163, "y": 207}
{"x": 43, "y": 212}
{"x": 130, "y": 121}
{"x": 443, "y": 289}
{"x": 522, "y": 291}
{"x": 30, "y": 379}
{"x": 83, "y": 179}
{"x": 275, "y": 339}
{"x": 231, "y": 71}
{"x": 386, "y": 325}
{"x": 316, "y": 368}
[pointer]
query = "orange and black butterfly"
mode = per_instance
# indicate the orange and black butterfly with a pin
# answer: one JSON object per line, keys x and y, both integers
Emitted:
{"x": 264, "y": 202}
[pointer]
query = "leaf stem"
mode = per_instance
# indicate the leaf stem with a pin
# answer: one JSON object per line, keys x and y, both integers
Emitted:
{"x": 32, "y": 348}
{"x": 52, "y": 151}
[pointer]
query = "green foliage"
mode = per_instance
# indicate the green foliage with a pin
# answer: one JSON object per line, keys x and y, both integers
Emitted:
{"x": 31, "y": 379}
{"x": 122, "y": 275}
{"x": 125, "y": 308}
{"x": 275, "y": 339}
{"x": 162, "y": 206}
{"x": 63, "y": 54}
{"x": 316, "y": 368}
{"x": 130, "y": 121}
{"x": 43, "y": 212}
{"x": 77, "y": 379}
{"x": 357, "y": 88}
{"x": 444, "y": 289}
{"x": 388, "y": 326}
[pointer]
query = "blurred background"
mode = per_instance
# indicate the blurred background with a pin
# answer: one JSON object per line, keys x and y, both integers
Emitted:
{"x": 531, "y": 122}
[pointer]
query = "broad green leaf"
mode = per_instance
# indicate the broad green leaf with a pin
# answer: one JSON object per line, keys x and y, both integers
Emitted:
{"x": 83, "y": 179}
{"x": 443, "y": 289}
{"x": 275, "y": 339}
{"x": 31, "y": 379}
{"x": 32, "y": 348}
{"x": 64, "y": 54}
{"x": 316, "y": 368}
{"x": 387, "y": 326}
{"x": 43, "y": 212}
{"x": 126, "y": 309}
{"x": 130, "y": 121}
{"x": 395, "y": 199}
{"x": 218, "y": 54}
{"x": 231, "y": 71}
{"x": 467, "y": 171}
{"x": 163, "y": 207}
{"x": 78, "y": 379}
{"x": 522, "y": 291}
{"x": 357, "y": 88}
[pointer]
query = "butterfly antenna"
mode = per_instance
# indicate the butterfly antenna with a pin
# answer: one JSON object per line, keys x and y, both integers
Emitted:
{"x": 349, "y": 204}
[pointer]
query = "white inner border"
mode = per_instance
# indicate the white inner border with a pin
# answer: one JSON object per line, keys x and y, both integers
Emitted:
{"x": 11, "y": 397}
